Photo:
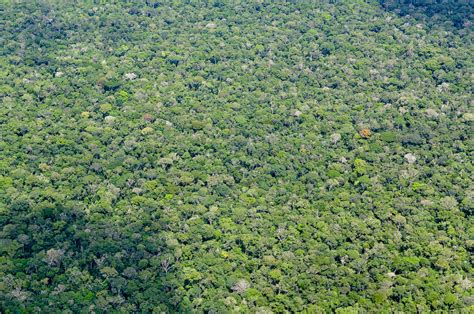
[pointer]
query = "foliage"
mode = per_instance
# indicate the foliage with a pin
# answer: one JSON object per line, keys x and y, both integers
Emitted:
{"x": 236, "y": 156}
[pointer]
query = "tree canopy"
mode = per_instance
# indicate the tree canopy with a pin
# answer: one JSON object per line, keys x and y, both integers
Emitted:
{"x": 236, "y": 156}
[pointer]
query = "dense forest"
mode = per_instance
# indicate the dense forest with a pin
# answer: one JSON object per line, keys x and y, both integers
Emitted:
{"x": 236, "y": 156}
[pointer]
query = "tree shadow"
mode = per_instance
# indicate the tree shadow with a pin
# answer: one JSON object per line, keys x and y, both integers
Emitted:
{"x": 458, "y": 13}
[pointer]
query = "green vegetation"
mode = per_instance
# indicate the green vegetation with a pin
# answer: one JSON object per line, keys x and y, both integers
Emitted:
{"x": 236, "y": 156}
